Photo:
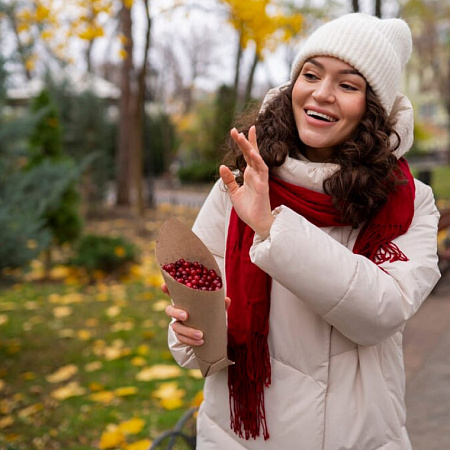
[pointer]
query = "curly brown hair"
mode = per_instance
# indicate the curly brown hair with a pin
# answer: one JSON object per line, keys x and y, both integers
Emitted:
{"x": 368, "y": 168}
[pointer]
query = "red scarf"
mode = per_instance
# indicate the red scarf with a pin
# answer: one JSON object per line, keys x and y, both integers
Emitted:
{"x": 249, "y": 287}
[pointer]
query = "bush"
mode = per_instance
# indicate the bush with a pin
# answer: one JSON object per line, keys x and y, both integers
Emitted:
{"x": 104, "y": 253}
{"x": 199, "y": 172}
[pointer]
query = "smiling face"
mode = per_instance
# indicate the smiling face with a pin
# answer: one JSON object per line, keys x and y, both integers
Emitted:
{"x": 328, "y": 101}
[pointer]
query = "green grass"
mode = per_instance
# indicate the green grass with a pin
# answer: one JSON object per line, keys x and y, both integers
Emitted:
{"x": 34, "y": 343}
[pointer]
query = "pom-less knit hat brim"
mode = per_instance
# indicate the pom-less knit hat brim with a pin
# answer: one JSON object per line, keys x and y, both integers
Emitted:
{"x": 377, "y": 48}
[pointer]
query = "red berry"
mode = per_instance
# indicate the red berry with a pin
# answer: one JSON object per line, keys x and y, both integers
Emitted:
{"x": 194, "y": 275}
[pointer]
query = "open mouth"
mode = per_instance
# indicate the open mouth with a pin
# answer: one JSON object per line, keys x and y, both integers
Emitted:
{"x": 320, "y": 116}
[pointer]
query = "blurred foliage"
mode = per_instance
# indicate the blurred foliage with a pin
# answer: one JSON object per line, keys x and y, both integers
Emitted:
{"x": 421, "y": 135}
{"x": 104, "y": 253}
{"x": 62, "y": 219}
{"x": 203, "y": 133}
{"x": 27, "y": 193}
{"x": 160, "y": 141}
{"x": 88, "y": 134}
{"x": 198, "y": 172}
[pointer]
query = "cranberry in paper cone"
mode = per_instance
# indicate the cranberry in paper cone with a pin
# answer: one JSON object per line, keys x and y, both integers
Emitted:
{"x": 206, "y": 309}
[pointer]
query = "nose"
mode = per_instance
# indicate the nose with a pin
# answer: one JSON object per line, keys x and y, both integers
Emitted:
{"x": 324, "y": 92}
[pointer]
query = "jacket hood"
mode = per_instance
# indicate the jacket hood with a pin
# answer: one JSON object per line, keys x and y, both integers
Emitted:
{"x": 402, "y": 113}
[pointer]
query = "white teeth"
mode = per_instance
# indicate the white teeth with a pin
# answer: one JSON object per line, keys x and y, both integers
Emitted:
{"x": 310, "y": 112}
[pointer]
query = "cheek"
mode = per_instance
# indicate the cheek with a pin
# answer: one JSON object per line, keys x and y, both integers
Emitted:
{"x": 356, "y": 111}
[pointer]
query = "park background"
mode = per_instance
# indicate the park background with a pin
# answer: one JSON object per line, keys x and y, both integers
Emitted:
{"x": 112, "y": 118}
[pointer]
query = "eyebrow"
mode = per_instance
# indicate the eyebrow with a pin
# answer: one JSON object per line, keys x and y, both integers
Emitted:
{"x": 344, "y": 72}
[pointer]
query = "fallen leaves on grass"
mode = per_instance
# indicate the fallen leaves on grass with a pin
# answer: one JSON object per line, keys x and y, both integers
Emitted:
{"x": 158, "y": 372}
{"x": 62, "y": 374}
{"x": 132, "y": 426}
{"x": 72, "y": 389}
{"x": 170, "y": 395}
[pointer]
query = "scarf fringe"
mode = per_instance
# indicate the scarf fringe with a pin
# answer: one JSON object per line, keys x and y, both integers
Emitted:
{"x": 247, "y": 408}
{"x": 386, "y": 251}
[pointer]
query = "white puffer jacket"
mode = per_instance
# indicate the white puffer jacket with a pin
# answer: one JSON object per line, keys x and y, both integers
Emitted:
{"x": 336, "y": 323}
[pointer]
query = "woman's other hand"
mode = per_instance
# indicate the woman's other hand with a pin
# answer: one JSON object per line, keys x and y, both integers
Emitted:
{"x": 186, "y": 335}
{"x": 251, "y": 200}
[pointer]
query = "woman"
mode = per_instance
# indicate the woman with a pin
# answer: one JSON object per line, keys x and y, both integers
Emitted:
{"x": 328, "y": 246}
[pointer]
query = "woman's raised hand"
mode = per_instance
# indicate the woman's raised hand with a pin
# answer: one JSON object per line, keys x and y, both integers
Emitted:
{"x": 251, "y": 200}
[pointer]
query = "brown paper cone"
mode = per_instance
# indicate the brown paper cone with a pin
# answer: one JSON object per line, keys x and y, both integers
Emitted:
{"x": 206, "y": 309}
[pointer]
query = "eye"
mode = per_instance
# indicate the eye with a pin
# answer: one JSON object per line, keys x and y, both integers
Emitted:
{"x": 349, "y": 87}
{"x": 310, "y": 76}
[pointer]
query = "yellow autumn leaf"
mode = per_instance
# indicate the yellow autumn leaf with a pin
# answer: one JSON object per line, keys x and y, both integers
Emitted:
{"x": 112, "y": 438}
{"x": 195, "y": 373}
{"x": 112, "y": 353}
{"x": 169, "y": 391}
{"x": 198, "y": 399}
{"x": 62, "y": 311}
{"x": 6, "y": 422}
{"x": 119, "y": 251}
{"x": 113, "y": 311}
{"x": 96, "y": 387}
{"x": 31, "y": 305}
{"x": 4, "y": 319}
{"x": 72, "y": 389}
{"x": 30, "y": 410}
{"x": 84, "y": 335}
{"x": 92, "y": 322}
{"x": 57, "y": 272}
{"x": 171, "y": 403}
{"x": 125, "y": 391}
{"x": 66, "y": 333}
{"x": 143, "y": 349}
{"x": 123, "y": 54}
{"x": 143, "y": 444}
{"x": 122, "y": 326}
{"x": 138, "y": 361}
{"x": 154, "y": 280}
{"x": 8, "y": 306}
{"x": 132, "y": 426}
{"x": 93, "y": 366}
{"x": 62, "y": 374}
{"x": 160, "y": 305}
{"x": 158, "y": 372}
{"x": 28, "y": 376}
{"x": 102, "y": 397}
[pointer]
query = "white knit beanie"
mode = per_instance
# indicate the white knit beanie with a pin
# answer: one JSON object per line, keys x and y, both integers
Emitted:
{"x": 377, "y": 48}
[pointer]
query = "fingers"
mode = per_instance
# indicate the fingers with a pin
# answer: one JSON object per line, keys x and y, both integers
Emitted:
{"x": 252, "y": 138}
{"x": 228, "y": 178}
{"x": 227, "y": 303}
{"x": 176, "y": 313}
{"x": 186, "y": 335}
{"x": 246, "y": 145}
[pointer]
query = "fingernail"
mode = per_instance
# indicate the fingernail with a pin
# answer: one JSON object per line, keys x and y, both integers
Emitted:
{"x": 198, "y": 335}
{"x": 183, "y": 316}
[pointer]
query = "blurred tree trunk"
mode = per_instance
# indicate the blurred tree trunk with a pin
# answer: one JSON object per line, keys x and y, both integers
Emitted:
{"x": 237, "y": 70}
{"x": 355, "y": 5}
{"x": 378, "y": 8}
{"x": 139, "y": 111}
{"x": 123, "y": 162}
{"x": 251, "y": 76}
{"x": 22, "y": 51}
